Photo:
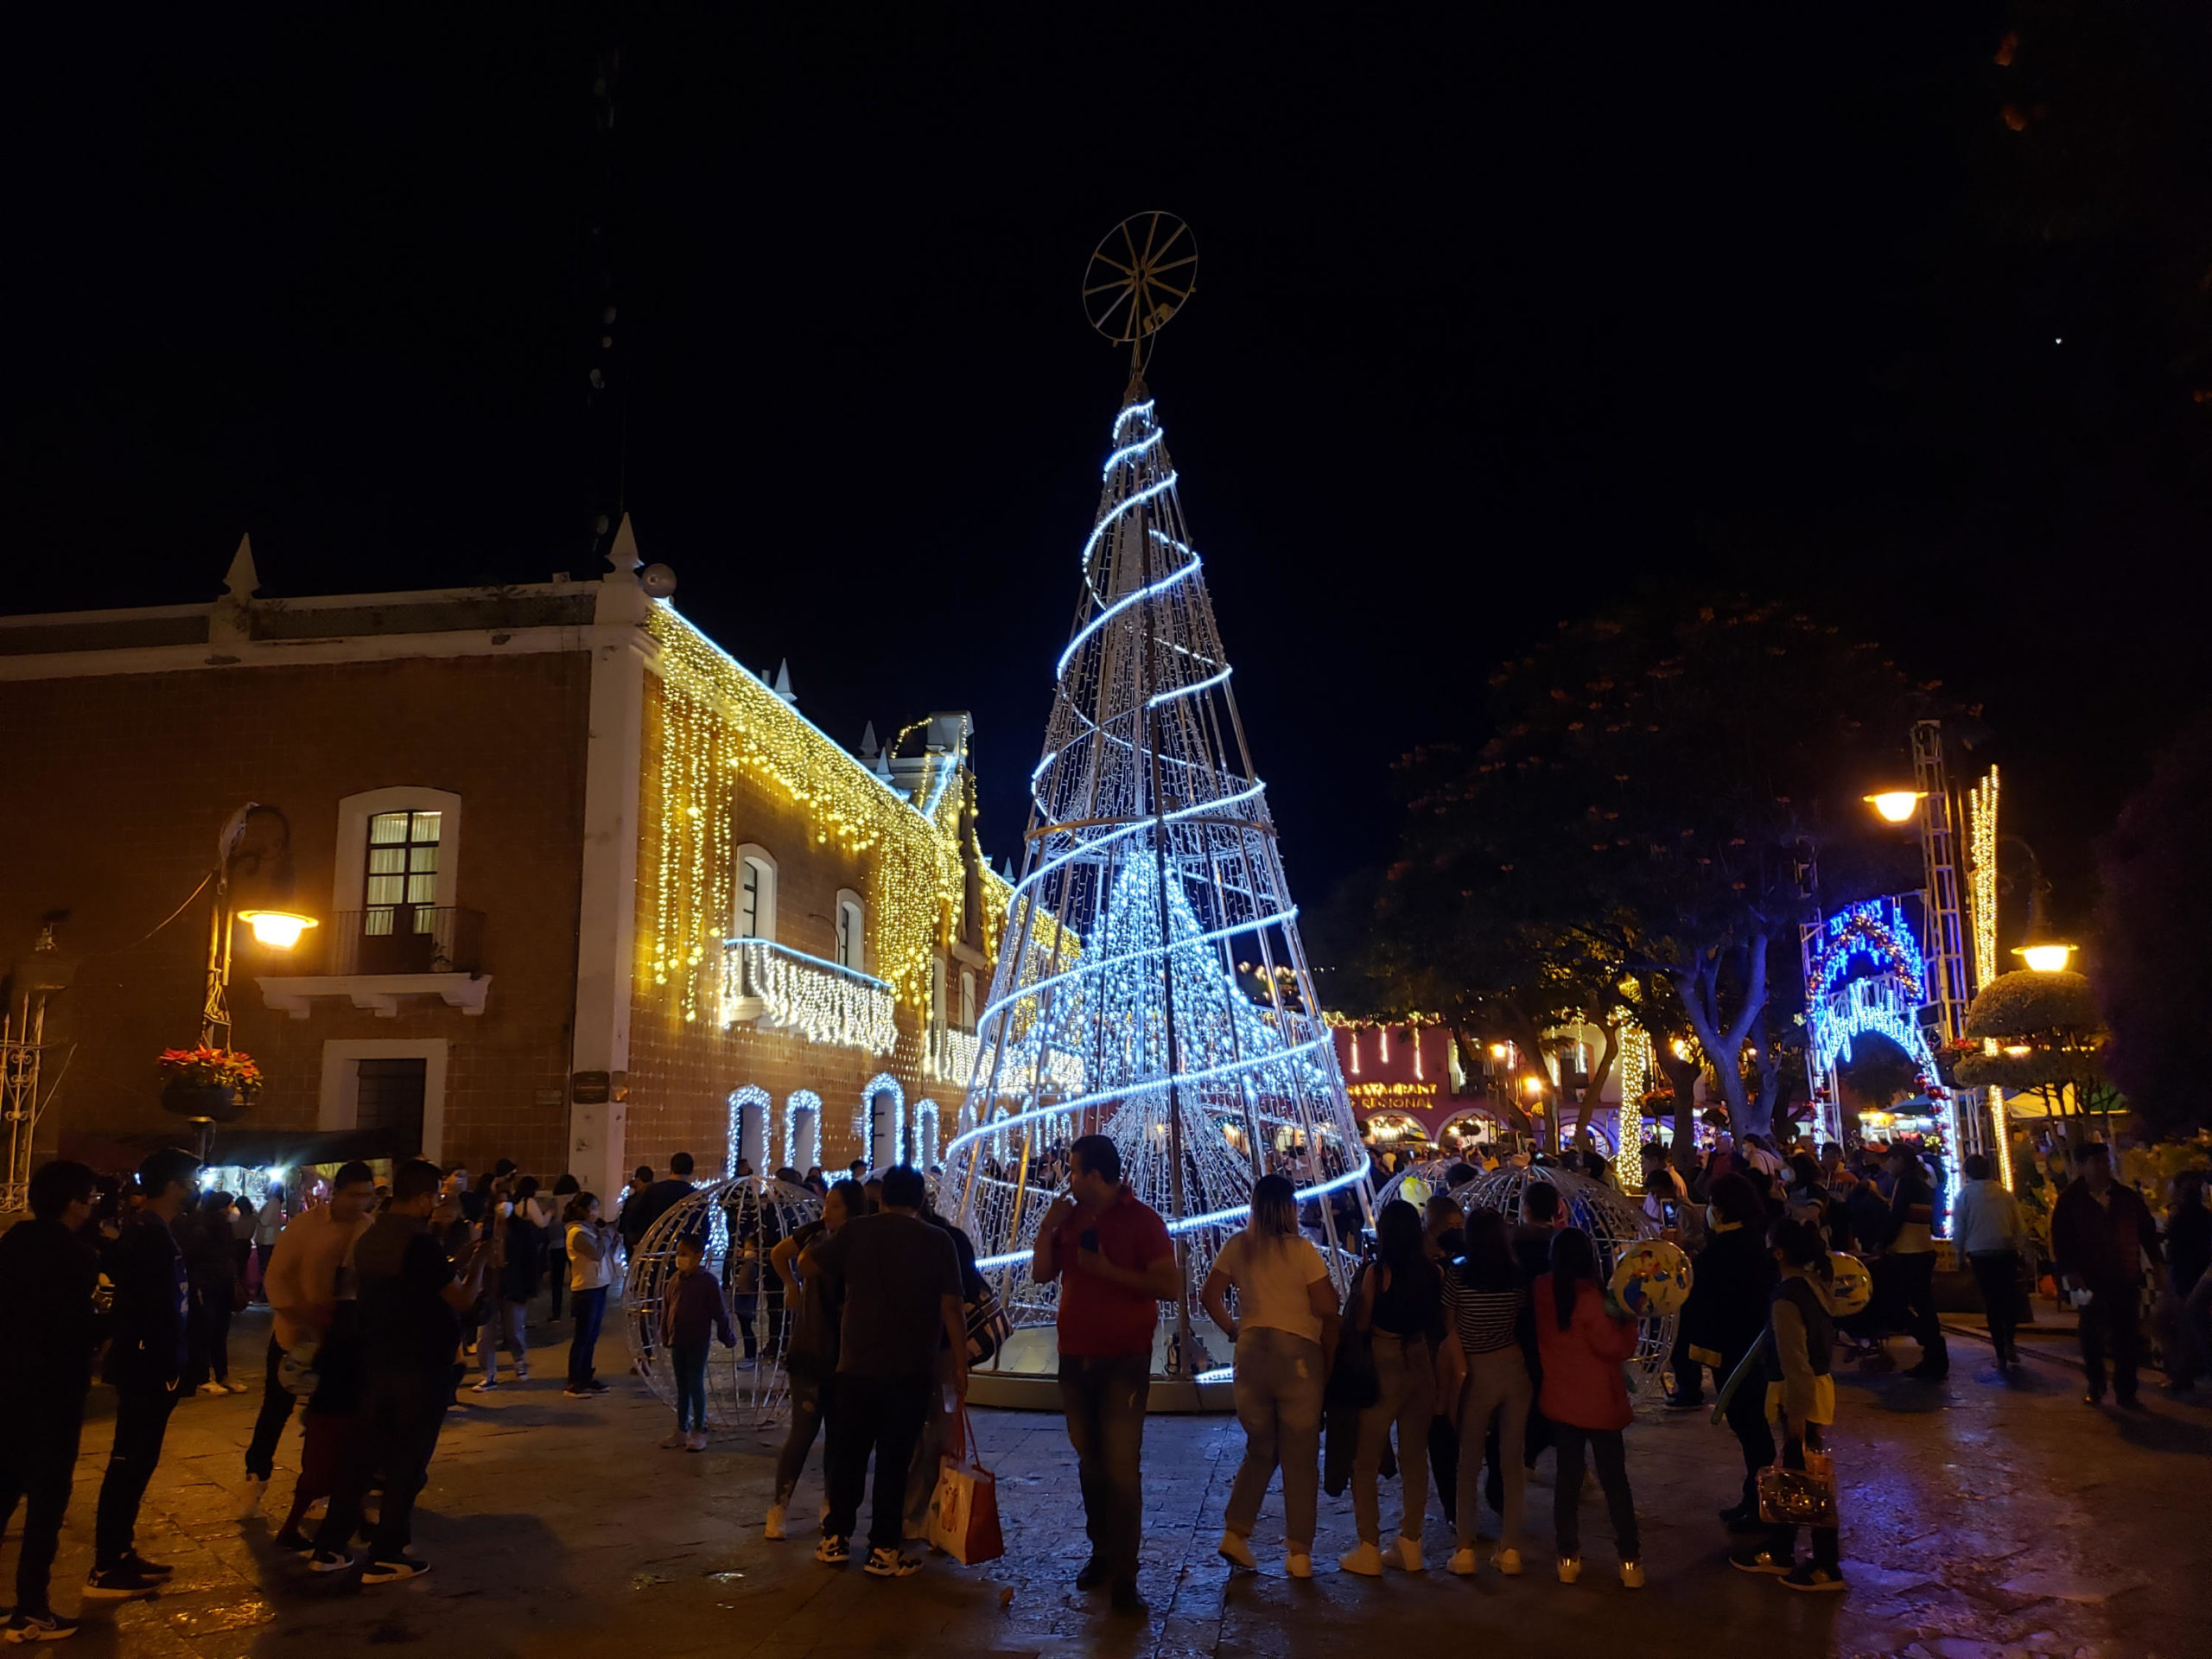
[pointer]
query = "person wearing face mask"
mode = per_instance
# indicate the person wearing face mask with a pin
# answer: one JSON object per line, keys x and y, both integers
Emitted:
{"x": 1724, "y": 1319}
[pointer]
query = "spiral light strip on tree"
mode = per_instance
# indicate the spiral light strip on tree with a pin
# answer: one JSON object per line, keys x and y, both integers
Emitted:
{"x": 1150, "y": 881}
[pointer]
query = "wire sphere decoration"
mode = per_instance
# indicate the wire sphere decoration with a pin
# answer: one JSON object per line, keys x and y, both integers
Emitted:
{"x": 1615, "y": 1224}
{"x": 739, "y": 1220}
{"x": 1142, "y": 274}
{"x": 1418, "y": 1182}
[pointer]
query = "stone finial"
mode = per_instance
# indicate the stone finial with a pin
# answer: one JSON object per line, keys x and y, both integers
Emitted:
{"x": 622, "y": 560}
{"x": 783, "y": 686}
{"x": 868, "y": 744}
{"x": 241, "y": 580}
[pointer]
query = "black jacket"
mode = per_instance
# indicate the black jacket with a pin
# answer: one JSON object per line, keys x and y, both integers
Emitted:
{"x": 48, "y": 1318}
{"x": 1729, "y": 1294}
{"x": 145, "y": 1275}
{"x": 523, "y": 1264}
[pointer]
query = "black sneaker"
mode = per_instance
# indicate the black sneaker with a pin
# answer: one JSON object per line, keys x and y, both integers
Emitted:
{"x": 1806, "y": 1576}
{"x": 119, "y": 1584}
{"x": 833, "y": 1551}
{"x": 329, "y": 1561}
{"x": 1757, "y": 1560}
{"x": 144, "y": 1568}
{"x": 890, "y": 1564}
{"x": 1093, "y": 1575}
{"x": 1740, "y": 1519}
{"x": 40, "y": 1627}
{"x": 398, "y": 1570}
{"x": 293, "y": 1539}
{"x": 595, "y": 1386}
{"x": 1128, "y": 1602}
{"x": 1678, "y": 1403}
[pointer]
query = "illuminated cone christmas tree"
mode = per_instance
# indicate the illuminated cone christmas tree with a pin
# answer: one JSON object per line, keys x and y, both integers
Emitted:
{"x": 1151, "y": 984}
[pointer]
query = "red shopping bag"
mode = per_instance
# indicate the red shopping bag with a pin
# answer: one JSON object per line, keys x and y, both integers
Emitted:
{"x": 963, "y": 1518}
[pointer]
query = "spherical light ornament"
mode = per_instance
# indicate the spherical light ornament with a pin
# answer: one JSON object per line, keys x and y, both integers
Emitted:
{"x": 1615, "y": 1224}
{"x": 1851, "y": 1287}
{"x": 658, "y": 579}
{"x": 2045, "y": 958}
{"x": 741, "y": 1221}
{"x": 1652, "y": 1279}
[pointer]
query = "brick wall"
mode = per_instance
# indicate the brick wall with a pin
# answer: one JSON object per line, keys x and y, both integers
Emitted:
{"x": 682, "y": 1072}
{"x": 122, "y": 782}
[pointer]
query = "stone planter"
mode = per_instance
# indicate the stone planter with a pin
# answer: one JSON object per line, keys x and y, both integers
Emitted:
{"x": 211, "y": 1103}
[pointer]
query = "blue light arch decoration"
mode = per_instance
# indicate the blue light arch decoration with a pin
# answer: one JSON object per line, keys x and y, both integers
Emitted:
{"x": 1151, "y": 870}
{"x": 1867, "y": 973}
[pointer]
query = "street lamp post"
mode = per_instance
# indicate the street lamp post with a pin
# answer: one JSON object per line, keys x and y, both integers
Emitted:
{"x": 258, "y": 837}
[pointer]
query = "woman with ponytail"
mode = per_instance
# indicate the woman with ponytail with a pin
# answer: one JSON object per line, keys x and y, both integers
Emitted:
{"x": 1800, "y": 1398}
{"x": 1584, "y": 1341}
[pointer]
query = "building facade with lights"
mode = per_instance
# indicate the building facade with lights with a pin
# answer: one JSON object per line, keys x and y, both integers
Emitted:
{"x": 587, "y": 892}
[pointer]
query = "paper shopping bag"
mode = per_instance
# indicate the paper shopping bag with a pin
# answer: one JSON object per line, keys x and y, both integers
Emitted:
{"x": 963, "y": 1520}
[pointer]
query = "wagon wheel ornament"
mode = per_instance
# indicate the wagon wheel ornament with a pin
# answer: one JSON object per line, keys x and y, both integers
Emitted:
{"x": 1139, "y": 278}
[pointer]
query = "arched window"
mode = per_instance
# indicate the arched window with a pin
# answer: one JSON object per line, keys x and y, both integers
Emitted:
{"x": 925, "y": 1133}
{"x": 864, "y": 1123}
{"x": 852, "y": 931}
{"x": 749, "y": 1131}
{"x": 967, "y": 1000}
{"x": 754, "y": 904}
{"x": 803, "y": 1129}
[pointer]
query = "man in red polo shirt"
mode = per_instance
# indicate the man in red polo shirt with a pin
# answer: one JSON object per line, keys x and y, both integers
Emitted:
{"x": 1111, "y": 1254}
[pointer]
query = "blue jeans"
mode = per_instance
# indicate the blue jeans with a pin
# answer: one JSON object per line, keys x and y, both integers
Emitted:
{"x": 1104, "y": 1399}
{"x": 690, "y": 1362}
{"x": 590, "y": 1311}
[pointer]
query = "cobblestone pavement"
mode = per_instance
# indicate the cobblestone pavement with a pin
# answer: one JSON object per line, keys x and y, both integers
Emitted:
{"x": 1982, "y": 1519}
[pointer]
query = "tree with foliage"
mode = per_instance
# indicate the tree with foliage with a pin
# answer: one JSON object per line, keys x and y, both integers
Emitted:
{"x": 1660, "y": 779}
{"x": 2151, "y": 962}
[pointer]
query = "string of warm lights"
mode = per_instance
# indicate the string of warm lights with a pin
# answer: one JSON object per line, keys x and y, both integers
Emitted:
{"x": 1981, "y": 879}
{"x": 823, "y": 1001}
{"x": 952, "y": 1056}
{"x": 1634, "y": 1065}
{"x": 718, "y": 722}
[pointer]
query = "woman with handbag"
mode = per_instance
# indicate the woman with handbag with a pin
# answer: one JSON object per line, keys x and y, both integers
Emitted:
{"x": 1398, "y": 1303}
{"x": 1285, "y": 1331}
{"x": 1800, "y": 1398}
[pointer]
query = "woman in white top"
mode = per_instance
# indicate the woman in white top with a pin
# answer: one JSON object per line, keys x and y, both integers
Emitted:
{"x": 1285, "y": 1329}
{"x": 591, "y": 1269}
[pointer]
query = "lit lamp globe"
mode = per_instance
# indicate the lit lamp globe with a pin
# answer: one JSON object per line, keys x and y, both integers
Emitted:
{"x": 280, "y": 929}
{"x": 1895, "y": 805}
{"x": 2045, "y": 957}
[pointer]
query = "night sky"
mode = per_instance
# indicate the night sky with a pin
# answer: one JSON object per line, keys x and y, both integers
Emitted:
{"x": 1498, "y": 321}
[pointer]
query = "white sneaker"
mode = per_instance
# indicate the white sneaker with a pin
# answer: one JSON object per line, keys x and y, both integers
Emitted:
{"x": 1406, "y": 1552}
{"x": 676, "y": 1442}
{"x": 486, "y": 1386}
{"x": 1366, "y": 1561}
{"x": 1298, "y": 1564}
{"x": 773, "y": 1530}
{"x": 235, "y": 1387}
{"x": 212, "y": 1386}
{"x": 1631, "y": 1575}
{"x": 1508, "y": 1562}
{"x": 1233, "y": 1550}
{"x": 1570, "y": 1568}
{"x": 522, "y": 1372}
{"x": 697, "y": 1441}
{"x": 1464, "y": 1564}
{"x": 250, "y": 1504}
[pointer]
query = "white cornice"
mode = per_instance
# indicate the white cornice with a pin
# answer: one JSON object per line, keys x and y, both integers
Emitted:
{"x": 352, "y": 648}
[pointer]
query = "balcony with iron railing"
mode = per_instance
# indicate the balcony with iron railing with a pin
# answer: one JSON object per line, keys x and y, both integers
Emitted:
{"x": 773, "y": 986}
{"x": 384, "y": 954}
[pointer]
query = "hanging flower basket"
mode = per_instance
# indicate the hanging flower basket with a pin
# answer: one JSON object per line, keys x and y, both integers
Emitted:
{"x": 214, "y": 1083}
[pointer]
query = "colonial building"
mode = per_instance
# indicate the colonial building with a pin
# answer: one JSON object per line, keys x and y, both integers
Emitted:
{"x": 588, "y": 891}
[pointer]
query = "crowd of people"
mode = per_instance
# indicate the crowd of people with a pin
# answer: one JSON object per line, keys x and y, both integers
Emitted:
{"x": 1469, "y": 1342}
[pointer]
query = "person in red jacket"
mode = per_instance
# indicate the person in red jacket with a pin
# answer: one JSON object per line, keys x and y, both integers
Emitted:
{"x": 1584, "y": 1342}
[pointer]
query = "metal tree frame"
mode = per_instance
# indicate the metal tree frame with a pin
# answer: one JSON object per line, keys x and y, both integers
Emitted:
{"x": 1150, "y": 871}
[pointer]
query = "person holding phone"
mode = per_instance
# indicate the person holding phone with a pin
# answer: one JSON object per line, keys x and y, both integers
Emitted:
{"x": 1116, "y": 1263}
